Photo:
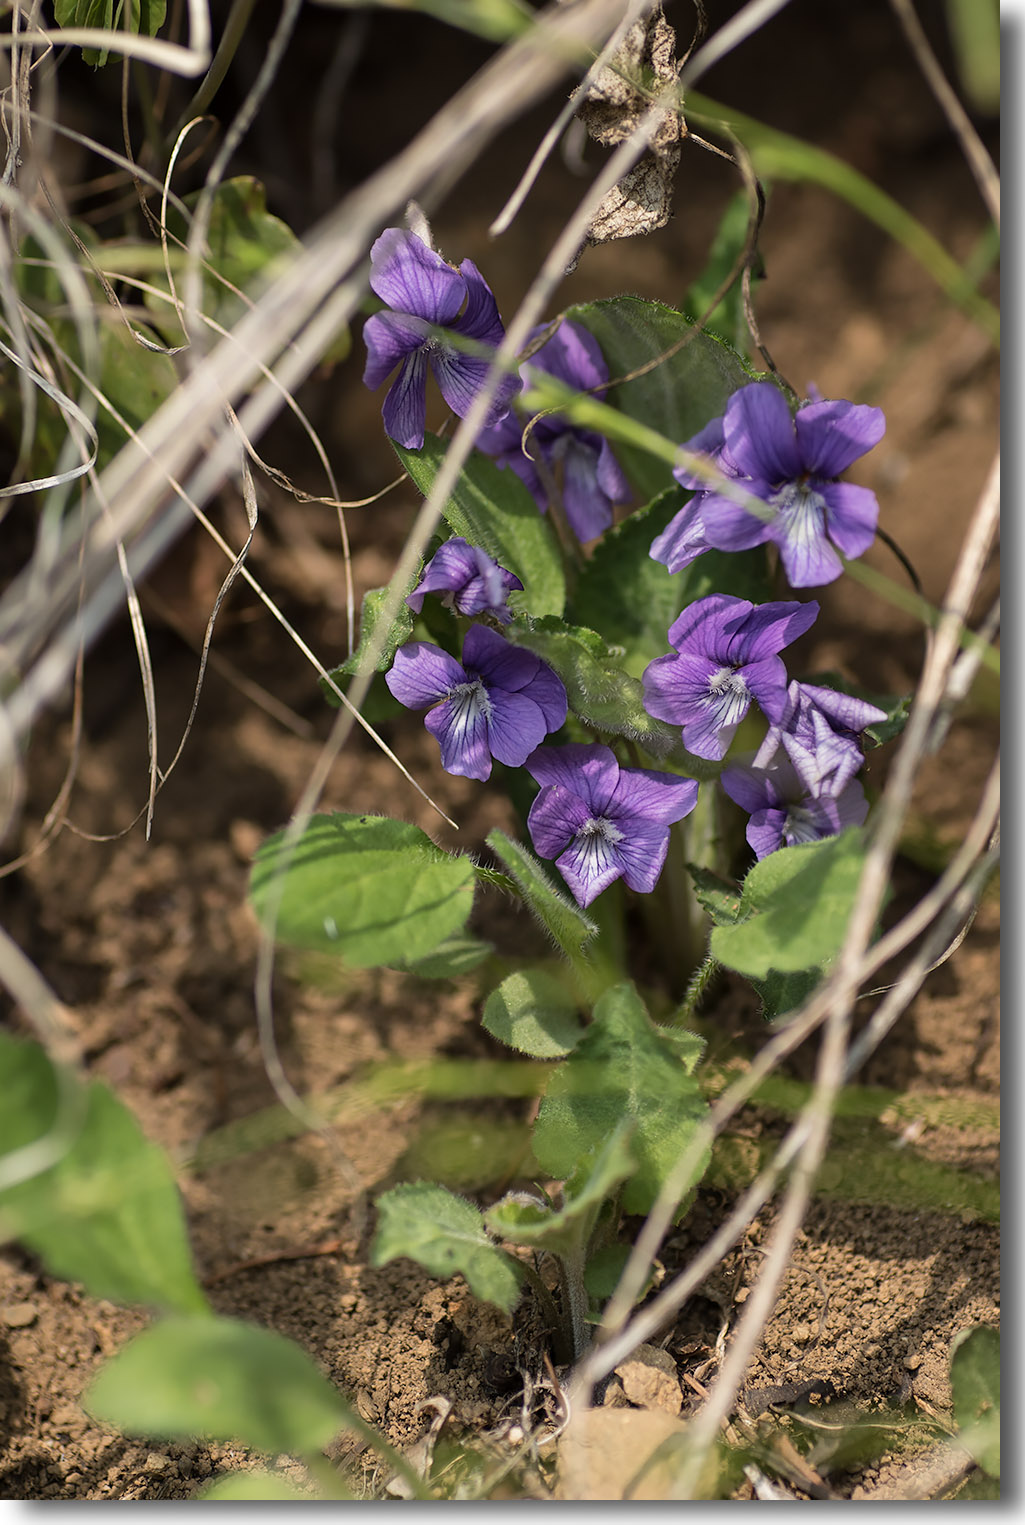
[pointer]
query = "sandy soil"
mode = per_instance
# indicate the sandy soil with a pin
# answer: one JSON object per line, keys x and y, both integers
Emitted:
{"x": 152, "y": 948}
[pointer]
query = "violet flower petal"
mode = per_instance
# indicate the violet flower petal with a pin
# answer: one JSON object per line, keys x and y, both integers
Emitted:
{"x": 770, "y": 627}
{"x": 461, "y": 727}
{"x": 405, "y": 407}
{"x": 844, "y": 711}
{"x": 480, "y": 320}
{"x": 516, "y": 727}
{"x": 709, "y": 625}
{"x": 752, "y": 788}
{"x": 853, "y": 513}
{"x": 587, "y": 508}
{"x": 766, "y": 681}
{"x": 658, "y": 797}
{"x": 642, "y": 854}
{"x": 389, "y": 338}
{"x": 422, "y": 674}
{"x": 609, "y": 474}
{"x": 547, "y": 690}
{"x": 574, "y": 356}
{"x": 759, "y": 433}
{"x": 831, "y": 435}
{"x": 676, "y": 686}
{"x": 731, "y": 527}
{"x": 765, "y": 830}
{"x": 591, "y": 863}
{"x": 555, "y": 817}
{"x": 683, "y": 540}
{"x": 800, "y": 532}
{"x": 411, "y": 278}
{"x": 497, "y": 660}
{"x": 709, "y": 442}
{"x": 588, "y": 770}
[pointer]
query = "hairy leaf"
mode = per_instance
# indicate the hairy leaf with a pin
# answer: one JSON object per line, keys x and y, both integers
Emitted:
{"x": 532, "y": 1012}
{"x": 455, "y": 956}
{"x": 244, "y": 242}
{"x": 680, "y": 394}
{"x": 445, "y": 1234}
{"x": 794, "y": 908}
{"x": 219, "y": 1378}
{"x": 566, "y": 1230}
{"x": 107, "y": 1213}
{"x": 373, "y": 890}
{"x": 598, "y": 689}
{"x": 975, "y": 1380}
{"x": 727, "y": 318}
{"x": 623, "y": 1067}
{"x": 631, "y": 600}
{"x": 398, "y": 632}
{"x": 568, "y": 927}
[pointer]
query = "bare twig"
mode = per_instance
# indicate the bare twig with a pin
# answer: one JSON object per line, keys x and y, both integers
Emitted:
{"x": 972, "y": 146}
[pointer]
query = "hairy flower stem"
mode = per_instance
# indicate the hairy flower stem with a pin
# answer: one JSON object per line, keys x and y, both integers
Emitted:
{"x": 676, "y": 920}
{"x": 565, "y": 1348}
{"x": 574, "y": 1301}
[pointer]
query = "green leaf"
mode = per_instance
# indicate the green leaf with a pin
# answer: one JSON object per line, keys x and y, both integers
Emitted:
{"x": 566, "y": 1231}
{"x": 728, "y": 317}
{"x": 604, "y": 1271}
{"x": 688, "y": 1046}
{"x": 450, "y": 959}
{"x": 677, "y": 397}
{"x": 531, "y": 1012}
{"x": 794, "y": 908}
{"x": 568, "y": 927}
{"x": 398, "y": 633}
{"x": 631, "y": 600}
{"x": 721, "y": 898}
{"x": 107, "y": 1213}
{"x": 134, "y": 381}
{"x": 599, "y": 691}
{"x": 253, "y": 1487}
{"x": 623, "y": 1067}
{"x": 491, "y": 508}
{"x": 975, "y": 1380}
{"x": 781, "y": 993}
{"x": 445, "y": 1234}
{"x": 146, "y": 17}
{"x": 372, "y": 890}
{"x": 219, "y": 1378}
{"x": 244, "y": 243}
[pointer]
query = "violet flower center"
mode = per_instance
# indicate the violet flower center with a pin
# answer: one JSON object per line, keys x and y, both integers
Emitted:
{"x": 800, "y": 826}
{"x": 728, "y": 688}
{"x": 468, "y": 701}
{"x": 600, "y": 826}
{"x": 802, "y": 512}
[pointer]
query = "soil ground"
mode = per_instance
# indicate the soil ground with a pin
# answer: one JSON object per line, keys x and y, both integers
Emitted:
{"x": 152, "y": 948}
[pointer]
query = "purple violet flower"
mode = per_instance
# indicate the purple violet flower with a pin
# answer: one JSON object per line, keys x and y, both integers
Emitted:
{"x": 500, "y": 701}
{"x": 818, "y": 730}
{"x": 425, "y": 295}
{"x": 468, "y": 580}
{"x": 785, "y": 811}
{"x": 592, "y": 479}
{"x": 792, "y": 465}
{"x": 601, "y": 822}
{"x": 726, "y": 655}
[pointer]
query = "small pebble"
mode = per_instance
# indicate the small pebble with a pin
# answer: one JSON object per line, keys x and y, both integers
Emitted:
{"x": 19, "y": 1315}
